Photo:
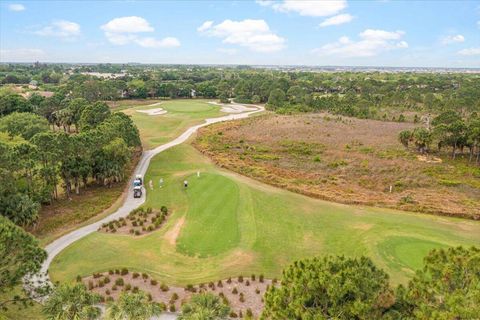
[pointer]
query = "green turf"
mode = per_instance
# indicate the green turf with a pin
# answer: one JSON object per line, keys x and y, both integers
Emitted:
{"x": 207, "y": 195}
{"x": 234, "y": 225}
{"x": 181, "y": 114}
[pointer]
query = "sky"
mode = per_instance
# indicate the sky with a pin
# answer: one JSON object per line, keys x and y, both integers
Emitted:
{"x": 262, "y": 32}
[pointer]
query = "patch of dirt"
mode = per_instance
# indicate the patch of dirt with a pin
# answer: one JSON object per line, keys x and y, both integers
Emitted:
{"x": 230, "y": 290}
{"x": 138, "y": 222}
{"x": 172, "y": 234}
{"x": 429, "y": 159}
{"x": 363, "y": 226}
{"x": 153, "y": 112}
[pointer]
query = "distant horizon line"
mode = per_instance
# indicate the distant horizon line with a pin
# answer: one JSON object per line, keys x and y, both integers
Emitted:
{"x": 241, "y": 64}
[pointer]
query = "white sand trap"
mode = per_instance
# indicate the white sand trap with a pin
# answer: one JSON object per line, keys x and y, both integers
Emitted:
{"x": 153, "y": 112}
{"x": 233, "y": 107}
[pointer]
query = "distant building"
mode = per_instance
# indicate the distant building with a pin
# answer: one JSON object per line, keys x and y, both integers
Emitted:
{"x": 193, "y": 93}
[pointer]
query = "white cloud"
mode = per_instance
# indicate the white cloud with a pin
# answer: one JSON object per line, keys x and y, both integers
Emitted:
{"x": 372, "y": 42}
{"x": 125, "y": 30}
{"x": 264, "y": 3}
{"x": 310, "y": 8}
{"x": 336, "y": 20}
{"x": 252, "y": 34}
{"x": 61, "y": 28}
{"x": 16, "y": 7}
{"x": 21, "y": 55}
{"x": 131, "y": 24}
{"x": 168, "y": 42}
{"x": 453, "y": 39}
{"x": 205, "y": 26}
{"x": 470, "y": 52}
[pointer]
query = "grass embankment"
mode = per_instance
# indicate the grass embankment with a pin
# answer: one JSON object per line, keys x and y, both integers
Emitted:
{"x": 345, "y": 160}
{"x": 181, "y": 114}
{"x": 224, "y": 225}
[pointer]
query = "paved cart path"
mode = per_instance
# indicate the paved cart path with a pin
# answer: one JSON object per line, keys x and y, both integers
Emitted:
{"x": 130, "y": 203}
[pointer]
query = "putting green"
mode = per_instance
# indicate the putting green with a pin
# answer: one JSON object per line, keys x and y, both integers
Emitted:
{"x": 181, "y": 114}
{"x": 225, "y": 225}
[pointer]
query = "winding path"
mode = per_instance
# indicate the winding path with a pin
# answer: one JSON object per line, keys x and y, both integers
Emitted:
{"x": 130, "y": 203}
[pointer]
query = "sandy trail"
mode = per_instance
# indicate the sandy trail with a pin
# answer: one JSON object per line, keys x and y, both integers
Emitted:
{"x": 172, "y": 235}
{"x": 130, "y": 203}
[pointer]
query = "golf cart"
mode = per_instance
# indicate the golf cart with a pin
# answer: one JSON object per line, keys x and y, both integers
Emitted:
{"x": 138, "y": 181}
{"x": 137, "y": 192}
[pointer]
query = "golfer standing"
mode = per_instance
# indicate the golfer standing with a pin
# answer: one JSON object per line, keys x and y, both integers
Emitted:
{"x": 185, "y": 183}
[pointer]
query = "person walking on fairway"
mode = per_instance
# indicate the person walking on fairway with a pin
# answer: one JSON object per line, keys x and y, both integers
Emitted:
{"x": 185, "y": 183}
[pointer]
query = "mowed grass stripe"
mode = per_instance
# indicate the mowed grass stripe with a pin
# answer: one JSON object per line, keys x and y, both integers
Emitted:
{"x": 212, "y": 225}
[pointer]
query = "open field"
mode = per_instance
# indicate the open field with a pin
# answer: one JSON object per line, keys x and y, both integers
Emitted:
{"x": 344, "y": 160}
{"x": 225, "y": 225}
{"x": 181, "y": 114}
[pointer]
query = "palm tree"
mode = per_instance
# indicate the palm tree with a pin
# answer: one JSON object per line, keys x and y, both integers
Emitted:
{"x": 72, "y": 303}
{"x": 133, "y": 306}
{"x": 204, "y": 306}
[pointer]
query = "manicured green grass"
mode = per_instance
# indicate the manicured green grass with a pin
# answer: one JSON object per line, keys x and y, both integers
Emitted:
{"x": 234, "y": 225}
{"x": 207, "y": 195}
{"x": 181, "y": 114}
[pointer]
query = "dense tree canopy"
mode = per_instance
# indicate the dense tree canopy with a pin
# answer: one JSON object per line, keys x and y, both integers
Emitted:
{"x": 330, "y": 288}
{"x": 204, "y": 306}
{"x": 133, "y": 306}
{"x": 448, "y": 286}
{"x": 72, "y": 303}
{"x": 19, "y": 255}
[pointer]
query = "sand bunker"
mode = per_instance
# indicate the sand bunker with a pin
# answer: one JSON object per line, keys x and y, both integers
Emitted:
{"x": 153, "y": 112}
{"x": 233, "y": 108}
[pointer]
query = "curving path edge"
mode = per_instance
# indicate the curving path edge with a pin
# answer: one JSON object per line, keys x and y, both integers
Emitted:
{"x": 130, "y": 203}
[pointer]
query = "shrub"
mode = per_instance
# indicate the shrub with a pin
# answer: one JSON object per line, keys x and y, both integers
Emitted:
{"x": 134, "y": 223}
{"x": 144, "y": 275}
{"x": 229, "y": 280}
{"x": 153, "y": 282}
{"x": 109, "y": 299}
{"x": 172, "y": 308}
{"x": 150, "y": 228}
{"x": 242, "y": 297}
{"x": 96, "y": 275}
{"x": 240, "y": 314}
{"x": 240, "y": 279}
{"x": 124, "y": 271}
{"x": 249, "y": 313}
{"x": 101, "y": 283}
{"x": 110, "y": 271}
{"x": 235, "y": 291}
{"x": 135, "y": 275}
{"x": 247, "y": 283}
{"x": 174, "y": 296}
{"x": 119, "y": 282}
{"x": 257, "y": 291}
{"x": 106, "y": 279}
{"x": 135, "y": 289}
{"x": 220, "y": 284}
{"x": 102, "y": 299}
{"x": 149, "y": 296}
{"x": 107, "y": 292}
{"x": 163, "y": 306}
{"x": 149, "y": 210}
{"x": 274, "y": 280}
{"x": 79, "y": 278}
{"x": 114, "y": 230}
{"x": 114, "y": 287}
{"x": 131, "y": 231}
{"x": 137, "y": 232}
{"x": 90, "y": 285}
{"x": 233, "y": 315}
{"x": 260, "y": 278}
{"x": 190, "y": 288}
{"x": 128, "y": 286}
{"x": 164, "y": 287}
{"x": 253, "y": 277}
{"x": 164, "y": 210}
{"x": 117, "y": 271}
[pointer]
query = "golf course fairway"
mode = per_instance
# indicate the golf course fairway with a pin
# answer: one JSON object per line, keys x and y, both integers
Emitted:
{"x": 226, "y": 225}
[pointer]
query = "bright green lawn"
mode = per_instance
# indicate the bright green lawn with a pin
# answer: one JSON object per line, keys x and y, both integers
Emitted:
{"x": 156, "y": 130}
{"x": 234, "y": 225}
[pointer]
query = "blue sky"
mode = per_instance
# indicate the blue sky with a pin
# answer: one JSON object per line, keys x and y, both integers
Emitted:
{"x": 361, "y": 33}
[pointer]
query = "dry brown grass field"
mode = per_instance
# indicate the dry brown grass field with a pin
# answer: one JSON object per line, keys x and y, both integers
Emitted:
{"x": 344, "y": 160}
